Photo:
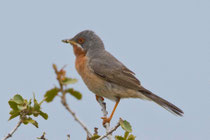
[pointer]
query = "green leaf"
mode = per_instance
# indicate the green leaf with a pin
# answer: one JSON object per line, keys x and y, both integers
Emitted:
{"x": 35, "y": 113}
{"x": 30, "y": 120}
{"x": 35, "y": 123}
{"x": 131, "y": 137}
{"x": 68, "y": 81}
{"x": 18, "y": 99}
{"x": 29, "y": 103}
{"x": 74, "y": 93}
{"x": 13, "y": 114}
{"x": 50, "y": 94}
{"x": 126, "y": 134}
{"x": 44, "y": 115}
{"x": 13, "y": 104}
{"x": 94, "y": 137}
{"x": 119, "y": 138}
{"x": 21, "y": 107}
{"x": 125, "y": 125}
{"x": 36, "y": 105}
{"x": 25, "y": 101}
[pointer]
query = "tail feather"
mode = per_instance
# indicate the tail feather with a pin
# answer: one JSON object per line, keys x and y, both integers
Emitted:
{"x": 162, "y": 102}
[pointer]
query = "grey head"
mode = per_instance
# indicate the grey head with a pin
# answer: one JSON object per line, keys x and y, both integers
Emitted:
{"x": 87, "y": 40}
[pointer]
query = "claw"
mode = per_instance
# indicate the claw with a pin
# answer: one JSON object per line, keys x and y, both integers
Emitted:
{"x": 106, "y": 120}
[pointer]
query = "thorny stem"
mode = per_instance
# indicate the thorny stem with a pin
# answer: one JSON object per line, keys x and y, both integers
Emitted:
{"x": 60, "y": 75}
{"x": 13, "y": 131}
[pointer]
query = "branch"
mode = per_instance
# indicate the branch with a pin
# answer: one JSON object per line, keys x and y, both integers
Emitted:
{"x": 13, "y": 131}
{"x": 107, "y": 125}
{"x": 110, "y": 132}
{"x": 60, "y": 76}
{"x": 63, "y": 100}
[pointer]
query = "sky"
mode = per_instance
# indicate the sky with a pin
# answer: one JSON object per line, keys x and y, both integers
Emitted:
{"x": 166, "y": 43}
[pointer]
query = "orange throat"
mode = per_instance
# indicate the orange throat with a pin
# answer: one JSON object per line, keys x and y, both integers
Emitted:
{"x": 80, "y": 59}
{"x": 78, "y": 51}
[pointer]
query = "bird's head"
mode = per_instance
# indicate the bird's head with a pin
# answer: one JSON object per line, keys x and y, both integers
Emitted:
{"x": 86, "y": 40}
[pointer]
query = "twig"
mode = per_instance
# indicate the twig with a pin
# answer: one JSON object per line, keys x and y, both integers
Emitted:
{"x": 106, "y": 125}
{"x": 42, "y": 137}
{"x": 110, "y": 132}
{"x": 68, "y": 137}
{"x": 95, "y": 131}
{"x": 13, "y": 131}
{"x": 60, "y": 76}
{"x": 63, "y": 100}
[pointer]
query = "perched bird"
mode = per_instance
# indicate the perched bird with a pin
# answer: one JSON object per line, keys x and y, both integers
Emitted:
{"x": 106, "y": 76}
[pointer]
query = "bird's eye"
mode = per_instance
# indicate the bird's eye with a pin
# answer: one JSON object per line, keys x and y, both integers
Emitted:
{"x": 81, "y": 40}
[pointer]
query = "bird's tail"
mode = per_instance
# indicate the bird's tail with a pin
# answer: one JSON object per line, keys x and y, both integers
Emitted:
{"x": 162, "y": 102}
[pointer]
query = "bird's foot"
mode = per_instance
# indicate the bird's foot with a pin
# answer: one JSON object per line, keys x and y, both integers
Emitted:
{"x": 106, "y": 120}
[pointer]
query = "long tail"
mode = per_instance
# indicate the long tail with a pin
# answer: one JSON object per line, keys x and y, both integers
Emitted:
{"x": 165, "y": 104}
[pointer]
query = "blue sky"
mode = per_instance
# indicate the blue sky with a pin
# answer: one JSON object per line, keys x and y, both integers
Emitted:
{"x": 166, "y": 43}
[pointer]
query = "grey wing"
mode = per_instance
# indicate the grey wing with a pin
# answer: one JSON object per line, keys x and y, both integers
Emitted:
{"x": 110, "y": 69}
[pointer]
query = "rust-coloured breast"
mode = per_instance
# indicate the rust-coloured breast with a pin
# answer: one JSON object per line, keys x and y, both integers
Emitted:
{"x": 81, "y": 60}
{"x": 93, "y": 82}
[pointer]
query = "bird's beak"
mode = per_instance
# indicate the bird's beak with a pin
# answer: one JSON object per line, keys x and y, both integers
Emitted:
{"x": 69, "y": 41}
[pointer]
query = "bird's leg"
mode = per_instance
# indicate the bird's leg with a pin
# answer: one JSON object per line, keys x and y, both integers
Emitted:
{"x": 97, "y": 97}
{"x": 105, "y": 119}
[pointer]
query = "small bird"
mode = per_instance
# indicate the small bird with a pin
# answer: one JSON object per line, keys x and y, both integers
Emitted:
{"x": 106, "y": 76}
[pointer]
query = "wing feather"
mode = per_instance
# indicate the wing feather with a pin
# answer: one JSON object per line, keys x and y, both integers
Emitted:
{"x": 110, "y": 69}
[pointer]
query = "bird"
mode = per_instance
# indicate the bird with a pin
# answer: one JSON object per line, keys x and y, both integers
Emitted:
{"x": 106, "y": 76}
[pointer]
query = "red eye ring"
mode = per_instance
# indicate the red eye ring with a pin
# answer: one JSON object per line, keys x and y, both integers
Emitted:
{"x": 81, "y": 40}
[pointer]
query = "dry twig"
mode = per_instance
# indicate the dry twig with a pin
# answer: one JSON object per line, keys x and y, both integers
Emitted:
{"x": 63, "y": 100}
{"x": 13, "y": 131}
